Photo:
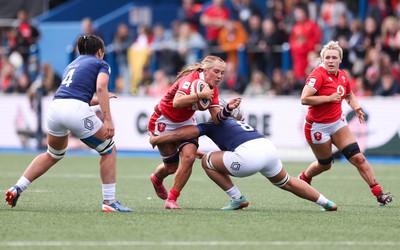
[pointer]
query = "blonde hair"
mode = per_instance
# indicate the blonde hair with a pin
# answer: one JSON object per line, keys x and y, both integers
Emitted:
{"x": 206, "y": 63}
{"x": 332, "y": 45}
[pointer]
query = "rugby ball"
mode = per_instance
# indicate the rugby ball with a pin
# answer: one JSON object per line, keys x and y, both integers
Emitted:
{"x": 196, "y": 87}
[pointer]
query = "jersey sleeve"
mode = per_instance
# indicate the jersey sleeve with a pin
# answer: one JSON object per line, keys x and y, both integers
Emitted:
{"x": 105, "y": 68}
{"x": 315, "y": 80}
{"x": 184, "y": 86}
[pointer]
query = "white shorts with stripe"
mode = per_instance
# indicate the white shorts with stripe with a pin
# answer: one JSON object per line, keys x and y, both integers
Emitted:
{"x": 319, "y": 133}
{"x": 258, "y": 155}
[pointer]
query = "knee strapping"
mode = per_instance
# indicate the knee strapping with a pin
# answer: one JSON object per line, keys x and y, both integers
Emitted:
{"x": 102, "y": 147}
{"x": 351, "y": 150}
{"x": 208, "y": 161}
{"x": 283, "y": 182}
{"x": 56, "y": 154}
{"x": 184, "y": 143}
{"x": 326, "y": 161}
{"x": 171, "y": 158}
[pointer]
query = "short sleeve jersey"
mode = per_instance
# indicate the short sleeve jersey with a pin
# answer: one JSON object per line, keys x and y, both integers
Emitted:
{"x": 229, "y": 134}
{"x": 326, "y": 84}
{"x": 182, "y": 86}
{"x": 80, "y": 78}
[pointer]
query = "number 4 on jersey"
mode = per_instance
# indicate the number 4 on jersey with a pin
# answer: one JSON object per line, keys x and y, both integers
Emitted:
{"x": 68, "y": 78}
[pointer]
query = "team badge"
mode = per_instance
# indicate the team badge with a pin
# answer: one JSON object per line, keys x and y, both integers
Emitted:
{"x": 318, "y": 136}
{"x": 161, "y": 127}
{"x": 235, "y": 166}
{"x": 88, "y": 124}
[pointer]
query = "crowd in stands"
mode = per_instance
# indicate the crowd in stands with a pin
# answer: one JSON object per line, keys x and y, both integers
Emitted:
{"x": 255, "y": 40}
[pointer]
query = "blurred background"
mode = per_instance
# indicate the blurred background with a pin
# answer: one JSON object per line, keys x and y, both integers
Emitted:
{"x": 270, "y": 46}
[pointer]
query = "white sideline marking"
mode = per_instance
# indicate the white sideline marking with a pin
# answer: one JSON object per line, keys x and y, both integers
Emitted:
{"x": 193, "y": 243}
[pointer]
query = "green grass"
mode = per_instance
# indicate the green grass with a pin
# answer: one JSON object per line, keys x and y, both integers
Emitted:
{"x": 61, "y": 210}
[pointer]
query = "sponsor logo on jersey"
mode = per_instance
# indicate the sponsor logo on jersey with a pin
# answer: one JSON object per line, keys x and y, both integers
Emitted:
{"x": 312, "y": 82}
{"x": 340, "y": 90}
{"x": 186, "y": 85}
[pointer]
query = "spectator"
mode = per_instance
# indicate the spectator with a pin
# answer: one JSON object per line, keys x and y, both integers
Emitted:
{"x": 390, "y": 34}
{"x": 164, "y": 50}
{"x": 27, "y": 36}
{"x": 87, "y": 28}
{"x": 254, "y": 54}
{"x": 270, "y": 44}
{"x": 7, "y": 77}
{"x": 160, "y": 85}
{"x": 233, "y": 83}
{"x": 355, "y": 46}
{"x": 189, "y": 12}
{"x": 331, "y": 10}
{"x": 242, "y": 10}
{"x": 304, "y": 38}
{"x": 388, "y": 85}
{"x": 258, "y": 85}
{"x": 379, "y": 10}
{"x": 190, "y": 44}
{"x": 341, "y": 32}
{"x": 139, "y": 55}
{"x": 232, "y": 37}
{"x": 47, "y": 80}
{"x": 277, "y": 83}
{"x": 360, "y": 89}
{"x": 371, "y": 34}
{"x": 213, "y": 19}
{"x": 121, "y": 42}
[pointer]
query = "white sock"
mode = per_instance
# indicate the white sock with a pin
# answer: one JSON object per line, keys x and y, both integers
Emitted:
{"x": 23, "y": 183}
{"x": 108, "y": 191}
{"x": 322, "y": 201}
{"x": 234, "y": 193}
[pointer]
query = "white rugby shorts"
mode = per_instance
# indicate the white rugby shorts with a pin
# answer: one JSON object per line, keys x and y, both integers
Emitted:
{"x": 70, "y": 115}
{"x": 258, "y": 155}
{"x": 319, "y": 133}
{"x": 163, "y": 125}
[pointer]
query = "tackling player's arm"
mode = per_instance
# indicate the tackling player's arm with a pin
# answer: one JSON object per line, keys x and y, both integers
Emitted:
{"x": 182, "y": 133}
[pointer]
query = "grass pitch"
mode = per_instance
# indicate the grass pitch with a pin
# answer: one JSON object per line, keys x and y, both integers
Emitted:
{"x": 61, "y": 210}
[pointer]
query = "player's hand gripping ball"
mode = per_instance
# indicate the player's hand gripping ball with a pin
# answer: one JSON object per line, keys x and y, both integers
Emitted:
{"x": 196, "y": 87}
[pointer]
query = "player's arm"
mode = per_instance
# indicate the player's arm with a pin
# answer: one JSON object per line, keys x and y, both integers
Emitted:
{"x": 182, "y": 133}
{"x": 353, "y": 103}
{"x": 181, "y": 100}
{"x": 219, "y": 115}
{"x": 95, "y": 99}
{"x": 308, "y": 97}
{"x": 102, "y": 95}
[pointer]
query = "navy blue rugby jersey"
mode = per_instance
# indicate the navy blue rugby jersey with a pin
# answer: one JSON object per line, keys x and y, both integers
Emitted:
{"x": 229, "y": 134}
{"x": 79, "y": 78}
